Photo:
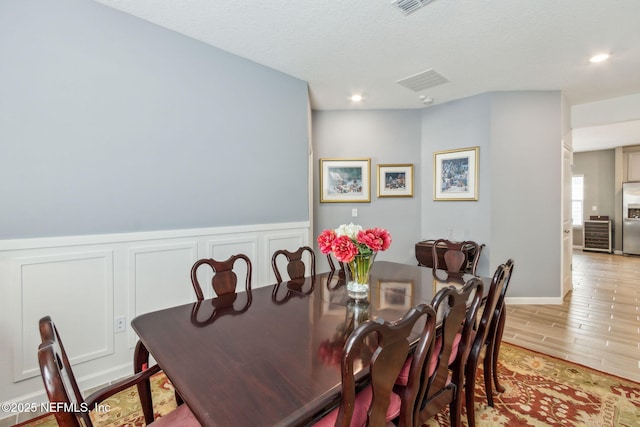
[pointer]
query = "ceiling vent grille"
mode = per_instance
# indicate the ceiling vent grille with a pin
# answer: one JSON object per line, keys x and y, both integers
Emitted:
{"x": 408, "y": 6}
{"x": 422, "y": 81}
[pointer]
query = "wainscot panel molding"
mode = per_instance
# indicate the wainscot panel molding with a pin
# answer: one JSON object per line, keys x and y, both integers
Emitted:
{"x": 87, "y": 282}
{"x": 157, "y": 279}
{"x": 86, "y": 277}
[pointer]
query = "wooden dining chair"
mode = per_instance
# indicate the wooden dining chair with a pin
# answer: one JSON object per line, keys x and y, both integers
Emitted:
{"x": 436, "y": 376}
{"x": 455, "y": 256}
{"x": 484, "y": 337}
{"x": 388, "y": 347}
{"x": 73, "y": 409}
{"x": 224, "y": 280}
{"x": 494, "y": 338}
{"x": 332, "y": 264}
{"x": 296, "y": 267}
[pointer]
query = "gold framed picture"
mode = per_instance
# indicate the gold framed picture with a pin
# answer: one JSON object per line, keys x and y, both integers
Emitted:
{"x": 345, "y": 180}
{"x": 455, "y": 174}
{"x": 395, "y": 180}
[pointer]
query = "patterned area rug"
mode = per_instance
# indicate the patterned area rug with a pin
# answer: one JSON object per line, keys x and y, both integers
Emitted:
{"x": 125, "y": 409}
{"x": 541, "y": 391}
{"x": 544, "y": 391}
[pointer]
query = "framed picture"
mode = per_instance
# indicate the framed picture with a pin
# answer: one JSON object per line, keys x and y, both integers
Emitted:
{"x": 456, "y": 174}
{"x": 395, "y": 180}
{"x": 345, "y": 180}
{"x": 395, "y": 295}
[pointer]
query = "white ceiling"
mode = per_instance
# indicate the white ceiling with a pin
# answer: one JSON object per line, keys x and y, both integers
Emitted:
{"x": 365, "y": 46}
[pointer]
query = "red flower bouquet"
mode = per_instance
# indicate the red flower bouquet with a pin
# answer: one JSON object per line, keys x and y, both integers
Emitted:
{"x": 357, "y": 248}
{"x": 348, "y": 241}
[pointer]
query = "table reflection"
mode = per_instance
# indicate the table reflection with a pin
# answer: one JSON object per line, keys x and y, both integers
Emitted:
{"x": 355, "y": 313}
{"x": 284, "y": 291}
{"x": 205, "y": 312}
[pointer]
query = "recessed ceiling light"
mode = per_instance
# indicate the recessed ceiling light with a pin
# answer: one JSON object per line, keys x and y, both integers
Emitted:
{"x": 356, "y": 98}
{"x": 601, "y": 57}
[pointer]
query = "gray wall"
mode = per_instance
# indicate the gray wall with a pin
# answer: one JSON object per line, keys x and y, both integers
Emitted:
{"x": 459, "y": 124}
{"x": 112, "y": 124}
{"x": 526, "y": 184}
{"x": 385, "y": 136}
{"x": 518, "y": 213}
{"x": 598, "y": 168}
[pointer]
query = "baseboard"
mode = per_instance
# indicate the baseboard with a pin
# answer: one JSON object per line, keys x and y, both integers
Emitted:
{"x": 534, "y": 301}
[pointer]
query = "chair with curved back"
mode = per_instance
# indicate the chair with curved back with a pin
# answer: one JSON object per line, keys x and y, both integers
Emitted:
{"x": 455, "y": 256}
{"x": 74, "y": 409}
{"x": 494, "y": 337}
{"x": 224, "y": 280}
{"x": 484, "y": 336}
{"x": 332, "y": 265}
{"x": 436, "y": 376}
{"x": 295, "y": 265}
{"x": 387, "y": 346}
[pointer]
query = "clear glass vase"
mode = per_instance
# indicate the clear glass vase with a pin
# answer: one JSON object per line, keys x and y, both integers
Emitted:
{"x": 358, "y": 276}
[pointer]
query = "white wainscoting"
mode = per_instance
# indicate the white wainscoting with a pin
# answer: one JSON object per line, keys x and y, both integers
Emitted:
{"x": 85, "y": 282}
{"x": 42, "y": 284}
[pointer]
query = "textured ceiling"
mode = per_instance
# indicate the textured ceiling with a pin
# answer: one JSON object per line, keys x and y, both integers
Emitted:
{"x": 365, "y": 46}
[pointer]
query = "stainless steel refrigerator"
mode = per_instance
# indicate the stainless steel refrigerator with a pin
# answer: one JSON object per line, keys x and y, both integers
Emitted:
{"x": 631, "y": 218}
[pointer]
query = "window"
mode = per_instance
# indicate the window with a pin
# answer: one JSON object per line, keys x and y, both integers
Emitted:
{"x": 577, "y": 199}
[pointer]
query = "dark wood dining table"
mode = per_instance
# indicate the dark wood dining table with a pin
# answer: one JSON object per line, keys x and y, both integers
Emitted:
{"x": 271, "y": 357}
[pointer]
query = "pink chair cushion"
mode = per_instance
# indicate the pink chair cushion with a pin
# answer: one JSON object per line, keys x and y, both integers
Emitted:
{"x": 403, "y": 378}
{"x": 182, "y": 417}
{"x": 361, "y": 407}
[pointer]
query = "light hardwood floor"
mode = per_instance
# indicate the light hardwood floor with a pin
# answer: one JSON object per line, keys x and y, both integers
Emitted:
{"x": 598, "y": 325}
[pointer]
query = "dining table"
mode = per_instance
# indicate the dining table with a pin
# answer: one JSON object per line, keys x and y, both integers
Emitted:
{"x": 271, "y": 356}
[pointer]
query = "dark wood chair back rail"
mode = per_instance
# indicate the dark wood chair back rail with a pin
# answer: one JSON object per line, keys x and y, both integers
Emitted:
{"x": 494, "y": 337}
{"x": 439, "y": 377}
{"x": 224, "y": 280}
{"x": 387, "y": 346}
{"x": 57, "y": 376}
{"x": 332, "y": 265}
{"x": 481, "y": 334}
{"x": 296, "y": 267}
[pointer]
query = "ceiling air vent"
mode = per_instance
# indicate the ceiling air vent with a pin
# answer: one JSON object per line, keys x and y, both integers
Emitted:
{"x": 408, "y": 6}
{"x": 422, "y": 81}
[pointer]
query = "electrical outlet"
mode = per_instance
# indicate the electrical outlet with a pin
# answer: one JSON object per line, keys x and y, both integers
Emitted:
{"x": 354, "y": 213}
{"x": 120, "y": 324}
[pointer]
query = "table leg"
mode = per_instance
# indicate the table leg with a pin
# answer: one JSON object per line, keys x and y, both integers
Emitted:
{"x": 140, "y": 363}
